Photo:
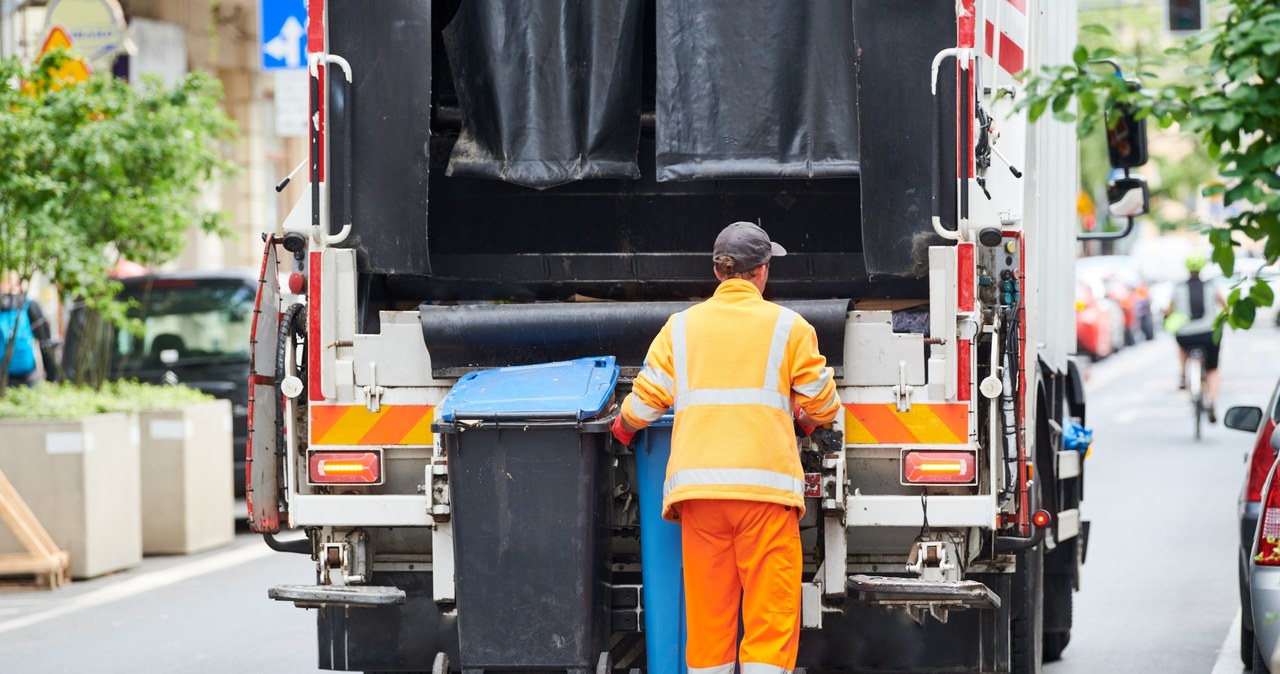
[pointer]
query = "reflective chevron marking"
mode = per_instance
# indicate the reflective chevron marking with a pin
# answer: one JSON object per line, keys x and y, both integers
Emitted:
{"x": 355, "y": 425}
{"x": 940, "y": 424}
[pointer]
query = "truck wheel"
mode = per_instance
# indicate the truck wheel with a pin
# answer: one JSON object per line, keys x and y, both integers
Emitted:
{"x": 1054, "y": 644}
{"x": 1246, "y": 646}
{"x": 1059, "y": 591}
{"x": 1027, "y": 612}
{"x": 1259, "y": 662}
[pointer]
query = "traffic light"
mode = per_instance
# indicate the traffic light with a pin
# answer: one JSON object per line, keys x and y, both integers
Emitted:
{"x": 1184, "y": 16}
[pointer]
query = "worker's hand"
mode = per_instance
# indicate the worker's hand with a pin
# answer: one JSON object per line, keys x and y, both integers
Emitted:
{"x": 620, "y": 432}
{"x": 804, "y": 424}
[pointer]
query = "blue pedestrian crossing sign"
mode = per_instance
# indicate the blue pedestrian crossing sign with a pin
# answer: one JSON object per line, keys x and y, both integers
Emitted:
{"x": 282, "y": 30}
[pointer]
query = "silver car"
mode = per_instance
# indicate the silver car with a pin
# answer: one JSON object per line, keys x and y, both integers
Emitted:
{"x": 1261, "y": 424}
{"x": 1264, "y": 575}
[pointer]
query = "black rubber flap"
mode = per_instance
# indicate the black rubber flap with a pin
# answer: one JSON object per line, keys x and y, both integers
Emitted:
{"x": 549, "y": 91}
{"x": 896, "y": 44}
{"x": 755, "y": 88}
{"x": 468, "y": 337}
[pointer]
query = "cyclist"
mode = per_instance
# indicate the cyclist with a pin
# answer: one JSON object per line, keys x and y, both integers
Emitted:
{"x": 1195, "y": 304}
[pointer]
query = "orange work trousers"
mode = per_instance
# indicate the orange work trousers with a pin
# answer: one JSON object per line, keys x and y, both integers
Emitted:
{"x": 741, "y": 554}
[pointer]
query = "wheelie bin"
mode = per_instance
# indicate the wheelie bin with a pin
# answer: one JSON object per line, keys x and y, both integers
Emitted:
{"x": 530, "y": 487}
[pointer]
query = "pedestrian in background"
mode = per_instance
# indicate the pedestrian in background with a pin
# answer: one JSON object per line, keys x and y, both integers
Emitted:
{"x": 23, "y": 323}
{"x": 738, "y": 370}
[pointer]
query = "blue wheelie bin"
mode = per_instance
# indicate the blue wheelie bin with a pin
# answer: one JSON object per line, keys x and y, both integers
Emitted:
{"x": 661, "y": 564}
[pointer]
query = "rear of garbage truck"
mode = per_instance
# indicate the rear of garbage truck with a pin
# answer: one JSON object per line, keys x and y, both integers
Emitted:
{"x": 507, "y": 200}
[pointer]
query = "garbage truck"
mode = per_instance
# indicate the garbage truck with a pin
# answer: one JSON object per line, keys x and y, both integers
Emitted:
{"x": 508, "y": 199}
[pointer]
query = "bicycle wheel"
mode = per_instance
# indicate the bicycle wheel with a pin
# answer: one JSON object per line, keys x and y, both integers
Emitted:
{"x": 1195, "y": 387}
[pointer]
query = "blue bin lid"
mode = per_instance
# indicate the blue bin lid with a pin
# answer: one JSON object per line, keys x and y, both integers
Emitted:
{"x": 571, "y": 389}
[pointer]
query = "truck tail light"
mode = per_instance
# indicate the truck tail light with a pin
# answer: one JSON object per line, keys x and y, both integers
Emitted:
{"x": 939, "y": 467}
{"x": 362, "y": 467}
{"x": 1260, "y": 462}
{"x": 1266, "y": 544}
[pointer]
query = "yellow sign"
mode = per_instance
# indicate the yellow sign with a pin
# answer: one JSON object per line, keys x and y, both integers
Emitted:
{"x": 95, "y": 27}
{"x": 74, "y": 68}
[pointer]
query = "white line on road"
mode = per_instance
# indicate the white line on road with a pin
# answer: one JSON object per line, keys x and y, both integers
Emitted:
{"x": 1228, "y": 661}
{"x": 143, "y": 583}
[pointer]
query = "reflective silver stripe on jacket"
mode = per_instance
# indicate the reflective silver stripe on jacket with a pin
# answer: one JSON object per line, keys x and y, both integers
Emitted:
{"x": 778, "y": 349}
{"x": 643, "y": 412}
{"x": 660, "y": 379}
{"x": 767, "y": 395}
{"x": 679, "y": 355}
{"x": 761, "y": 668}
{"x": 704, "y": 477}
{"x": 718, "y": 669}
{"x": 734, "y": 396}
{"x": 815, "y": 387}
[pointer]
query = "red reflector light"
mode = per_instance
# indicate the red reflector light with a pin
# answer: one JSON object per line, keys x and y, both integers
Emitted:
{"x": 939, "y": 467}
{"x": 1040, "y": 518}
{"x": 363, "y": 467}
{"x": 297, "y": 283}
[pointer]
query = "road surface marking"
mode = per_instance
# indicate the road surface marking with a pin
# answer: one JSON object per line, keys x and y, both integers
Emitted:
{"x": 1228, "y": 661}
{"x": 142, "y": 583}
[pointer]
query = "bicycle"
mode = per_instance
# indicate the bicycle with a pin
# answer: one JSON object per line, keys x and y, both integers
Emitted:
{"x": 1197, "y": 379}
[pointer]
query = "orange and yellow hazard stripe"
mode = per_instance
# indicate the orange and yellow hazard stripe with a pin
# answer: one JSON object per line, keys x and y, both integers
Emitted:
{"x": 937, "y": 424}
{"x": 355, "y": 425}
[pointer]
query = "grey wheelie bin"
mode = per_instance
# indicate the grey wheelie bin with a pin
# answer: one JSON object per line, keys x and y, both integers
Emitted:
{"x": 530, "y": 484}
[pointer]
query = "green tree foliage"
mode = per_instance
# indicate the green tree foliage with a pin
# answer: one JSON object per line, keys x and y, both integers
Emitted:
{"x": 100, "y": 170}
{"x": 1232, "y": 103}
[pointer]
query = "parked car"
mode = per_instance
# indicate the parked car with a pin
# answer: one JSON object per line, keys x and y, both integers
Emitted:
{"x": 1264, "y": 574}
{"x": 1095, "y": 334}
{"x": 1262, "y": 423}
{"x": 1124, "y": 285}
{"x": 195, "y": 331}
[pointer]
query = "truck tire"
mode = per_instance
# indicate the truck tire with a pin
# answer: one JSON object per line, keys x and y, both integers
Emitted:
{"x": 1246, "y": 646}
{"x": 1054, "y": 644}
{"x": 1058, "y": 592}
{"x": 1027, "y": 612}
{"x": 1061, "y": 567}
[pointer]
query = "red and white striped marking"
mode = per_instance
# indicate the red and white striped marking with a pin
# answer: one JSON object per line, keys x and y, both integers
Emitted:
{"x": 1009, "y": 21}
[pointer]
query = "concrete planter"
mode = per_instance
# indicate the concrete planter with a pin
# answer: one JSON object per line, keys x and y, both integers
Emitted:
{"x": 81, "y": 479}
{"x": 187, "y": 487}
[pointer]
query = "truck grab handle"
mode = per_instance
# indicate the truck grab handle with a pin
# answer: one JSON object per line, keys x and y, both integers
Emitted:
{"x": 936, "y": 164}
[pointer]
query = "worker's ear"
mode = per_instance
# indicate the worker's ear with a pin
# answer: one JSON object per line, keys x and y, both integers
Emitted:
{"x": 719, "y": 276}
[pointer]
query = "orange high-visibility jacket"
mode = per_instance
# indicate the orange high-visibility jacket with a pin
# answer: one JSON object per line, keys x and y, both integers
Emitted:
{"x": 732, "y": 367}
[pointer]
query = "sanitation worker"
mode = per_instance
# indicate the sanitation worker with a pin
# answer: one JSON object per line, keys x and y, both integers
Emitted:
{"x": 737, "y": 369}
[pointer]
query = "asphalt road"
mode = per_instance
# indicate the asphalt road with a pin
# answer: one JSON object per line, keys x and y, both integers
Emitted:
{"x": 1158, "y": 594}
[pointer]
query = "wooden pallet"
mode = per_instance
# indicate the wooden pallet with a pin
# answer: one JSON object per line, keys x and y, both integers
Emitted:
{"x": 43, "y": 565}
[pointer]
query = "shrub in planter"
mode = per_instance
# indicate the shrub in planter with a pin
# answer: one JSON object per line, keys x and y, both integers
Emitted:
{"x": 77, "y": 457}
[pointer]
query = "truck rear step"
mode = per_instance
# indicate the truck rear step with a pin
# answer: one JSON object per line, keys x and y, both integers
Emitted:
{"x": 316, "y": 596}
{"x": 920, "y": 597}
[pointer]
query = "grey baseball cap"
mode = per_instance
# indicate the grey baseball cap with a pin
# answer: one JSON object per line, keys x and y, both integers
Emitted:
{"x": 748, "y": 244}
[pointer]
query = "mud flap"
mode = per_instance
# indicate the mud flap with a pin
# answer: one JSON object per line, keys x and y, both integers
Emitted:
{"x": 262, "y": 490}
{"x": 923, "y": 597}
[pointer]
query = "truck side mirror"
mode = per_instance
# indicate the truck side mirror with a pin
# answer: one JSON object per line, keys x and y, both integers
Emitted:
{"x": 1126, "y": 139}
{"x": 1128, "y": 197}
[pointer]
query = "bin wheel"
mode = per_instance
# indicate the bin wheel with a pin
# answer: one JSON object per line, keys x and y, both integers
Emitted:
{"x": 605, "y": 664}
{"x": 441, "y": 664}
